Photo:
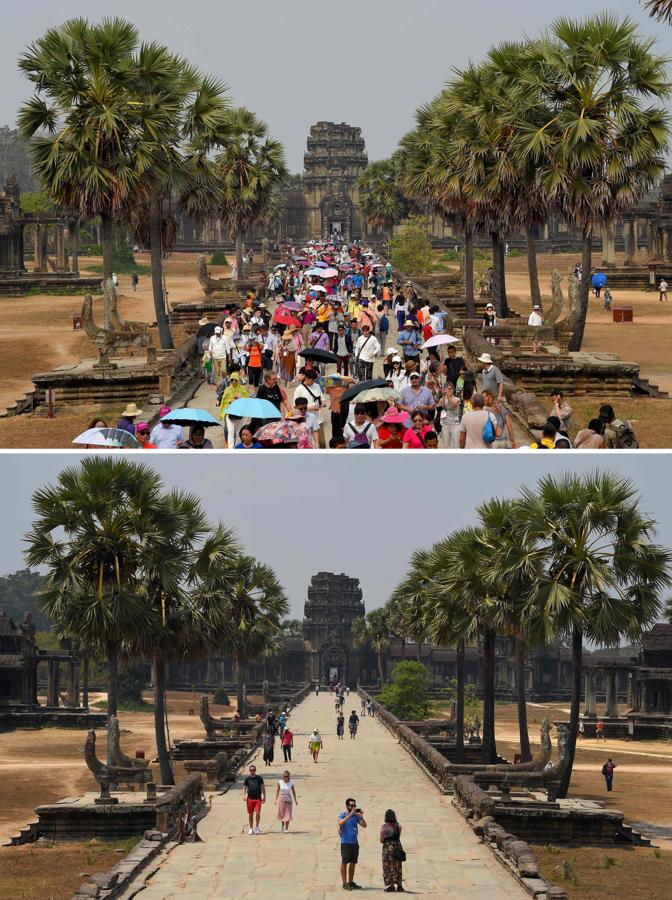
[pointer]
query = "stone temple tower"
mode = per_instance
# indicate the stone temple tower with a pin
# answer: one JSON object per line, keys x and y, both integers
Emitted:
{"x": 335, "y": 158}
{"x": 334, "y": 602}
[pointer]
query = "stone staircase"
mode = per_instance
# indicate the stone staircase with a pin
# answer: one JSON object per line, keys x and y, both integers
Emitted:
{"x": 642, "y": 386}
{"x": 629, "y": 835}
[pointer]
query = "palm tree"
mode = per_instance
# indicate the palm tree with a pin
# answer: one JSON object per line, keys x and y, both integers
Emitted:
{"x": 255, "y": 605}
{"x": 84, "y": 123}
{"x": 88, "y": 534}
{"x": 250, "y": 165}
{"x": 381, "y": 197}
{"x": 660, "y": 9}
{"x": 600, "y": 147}
{"x": 600, "y": 575}
{"x": 374, "y": 630}
{"x": 460, "y": 608}
{"x": 196, "y": 109}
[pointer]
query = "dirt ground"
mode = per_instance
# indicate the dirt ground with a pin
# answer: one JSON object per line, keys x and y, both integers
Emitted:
{"x": 643, "y": 778}
{"x": 637, "y": 873}
{"x": 54, "y": 872}
{"x": 40, "y": 766}
{"x": 36, "y": 335}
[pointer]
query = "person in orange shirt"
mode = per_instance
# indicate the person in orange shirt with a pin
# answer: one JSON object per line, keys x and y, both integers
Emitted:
{"x": 386, "y": 296}
{"x": 255, "y": 362}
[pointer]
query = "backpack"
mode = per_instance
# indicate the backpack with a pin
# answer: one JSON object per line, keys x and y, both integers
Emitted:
{"x": 604, "y": 769}
{"x": 488, "y": 432}
{"x": 624, "y": 438}
{"x": 361, "y": 439}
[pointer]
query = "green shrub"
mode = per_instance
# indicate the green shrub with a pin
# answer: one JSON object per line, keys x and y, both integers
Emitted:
{"x": 406, "y": 697}
{"x": 218, "y": 258}
{"x": 221, "y": 697}
{"x": 515, "y": 252}
{"x": 132, "y": 681}
{"x": 411, "y": 251}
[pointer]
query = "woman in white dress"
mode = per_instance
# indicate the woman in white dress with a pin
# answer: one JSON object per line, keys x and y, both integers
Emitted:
{"x": 285, "y": 796}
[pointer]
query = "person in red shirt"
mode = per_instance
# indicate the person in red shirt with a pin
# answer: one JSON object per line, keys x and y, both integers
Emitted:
{"x": 287, "y": 742}
{"x": 391, "y": 431}
{"x": 414, "y": 438}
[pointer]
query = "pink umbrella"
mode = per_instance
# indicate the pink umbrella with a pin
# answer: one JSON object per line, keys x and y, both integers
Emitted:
{"x": 439, "y": 339}
{"x": 329, "y": 273}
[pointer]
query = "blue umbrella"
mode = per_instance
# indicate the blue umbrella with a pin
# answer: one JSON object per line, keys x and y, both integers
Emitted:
{"x": 188, "y": 416}
{"x": 253, "y": 408}
{"x": 599, "y": 279}
{"x": 316, "y": 272}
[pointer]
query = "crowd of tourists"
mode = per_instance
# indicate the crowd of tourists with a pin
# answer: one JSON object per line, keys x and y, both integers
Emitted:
{"x": 286, "y": 800}
{"x": 344, "y": 355}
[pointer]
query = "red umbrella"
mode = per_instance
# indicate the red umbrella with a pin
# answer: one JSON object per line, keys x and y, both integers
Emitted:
{"x": 284, "y": 319}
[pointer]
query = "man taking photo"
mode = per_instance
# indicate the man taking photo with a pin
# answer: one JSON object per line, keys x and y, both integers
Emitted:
{"x": 348, "y": 824}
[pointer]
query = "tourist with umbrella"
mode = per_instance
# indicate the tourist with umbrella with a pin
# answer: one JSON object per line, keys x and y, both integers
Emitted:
{"x": 166, "y": 435}
{"x": 598, "y": 281}
{"x": 234, "y": 391}
{"x": 197, "y": 439}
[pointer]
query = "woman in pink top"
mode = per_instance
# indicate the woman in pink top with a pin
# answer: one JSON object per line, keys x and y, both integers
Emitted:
{"x": 414, "y": 438}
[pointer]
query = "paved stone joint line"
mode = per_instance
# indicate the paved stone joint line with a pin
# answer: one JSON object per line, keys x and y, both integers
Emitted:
{"x": 444, "y": 858}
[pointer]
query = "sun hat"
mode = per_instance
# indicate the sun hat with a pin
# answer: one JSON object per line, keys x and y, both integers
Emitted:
{"x": 393, "y": 417}
{"x": 142, "y": 426}
{"x": 485, "y": 358}
{"x": 410, "y": 365}
{"x": 131, "y": 411}
{"x": 489, "y": 306}
{"x": 391, "y": 352}
{"x": 408, "y": 322}
{"x": 204, "y": 321}
{"x": 287, "y": 336}
{"x": 218, "y": 329}
{"x": 164, "y": 411}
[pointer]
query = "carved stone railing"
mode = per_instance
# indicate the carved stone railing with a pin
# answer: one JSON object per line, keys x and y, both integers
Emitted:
{"x": 171, "y": 804}
{"x": 118, "y": 756}
{"x": 107, "y": 775}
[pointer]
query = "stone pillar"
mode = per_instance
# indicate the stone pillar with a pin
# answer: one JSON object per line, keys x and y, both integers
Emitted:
{"x": 608, "y": 246}
{"x": 73, "y": 686}
{"x": 627, "y": 243}
{"x": 44, "y": 234}
{"x": 633, "y": 691}
{"x": 612, "y": 694}
{"x": 590, "y": 704}
{"x": 60, "y": 248}
{"x": 36, "y": 246}
{"x": 52, "y": 682}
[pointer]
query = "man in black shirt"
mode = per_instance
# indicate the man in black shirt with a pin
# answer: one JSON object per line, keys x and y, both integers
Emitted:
{"x": 270, "y": 390}
{"x": 452, "y": 365}
{"x": 254, "y": 794}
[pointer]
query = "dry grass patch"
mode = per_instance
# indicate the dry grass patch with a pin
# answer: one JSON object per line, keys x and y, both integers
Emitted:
{"x": 52, "y": 872}
{"x": 638, "y": 873}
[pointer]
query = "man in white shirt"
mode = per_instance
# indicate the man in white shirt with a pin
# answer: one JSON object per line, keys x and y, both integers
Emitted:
{"x": 166, "y": 435}
{"x": 218, "y": 350}
{"x": 535, "y": 321}
{"x": 367, "y": 349}
{"x": 311, "y": 391}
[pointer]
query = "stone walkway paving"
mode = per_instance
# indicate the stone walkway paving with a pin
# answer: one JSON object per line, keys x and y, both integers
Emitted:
{"x": 444, "y": 858}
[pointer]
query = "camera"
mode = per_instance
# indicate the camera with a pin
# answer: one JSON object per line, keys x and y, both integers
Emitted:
{"x": 358, "y": 811}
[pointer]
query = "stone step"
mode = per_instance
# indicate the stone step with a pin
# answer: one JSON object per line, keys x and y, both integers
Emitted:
{"x": 630, "y": 835}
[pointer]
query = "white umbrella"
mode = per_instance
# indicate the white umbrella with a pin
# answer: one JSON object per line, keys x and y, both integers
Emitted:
{"x": 107, "y": 437}
{"x": 439, "y": 339}
{"x": 317, "y": 287}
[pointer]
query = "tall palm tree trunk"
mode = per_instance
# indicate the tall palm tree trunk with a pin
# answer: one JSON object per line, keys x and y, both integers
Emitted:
{"x": 459, "y": 705}
{"x": 469, "y": 273}
{"x": 381, "y": 670}
{"x": 239, "y": 254}
{"x": 503, "y": 297}
{"x": 535, "y": 292}
{"x": 522, "y": 701}
{"x": 156, "y": 256}
{"x": 107, "y": 240}
{"x": 489, "y": 746}
{"x": 160, "y": 720}
{"x": 577, "y": 660}
{"x": 112, "y": 651}
{"x": 499, "y": 281}
{"x": 240, "y": 687}
{"x": 576, "y": 339}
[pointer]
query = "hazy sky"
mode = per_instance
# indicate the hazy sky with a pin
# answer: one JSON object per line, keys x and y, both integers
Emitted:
{"x": 370, "y": 63}
{"x": 362, "y": 516}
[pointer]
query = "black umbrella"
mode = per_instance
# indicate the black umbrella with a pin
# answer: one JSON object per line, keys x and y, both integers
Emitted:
{"x": 323, "y": 356}
{"x": 206, "y": 330}
{"x": 363, "y": 386}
